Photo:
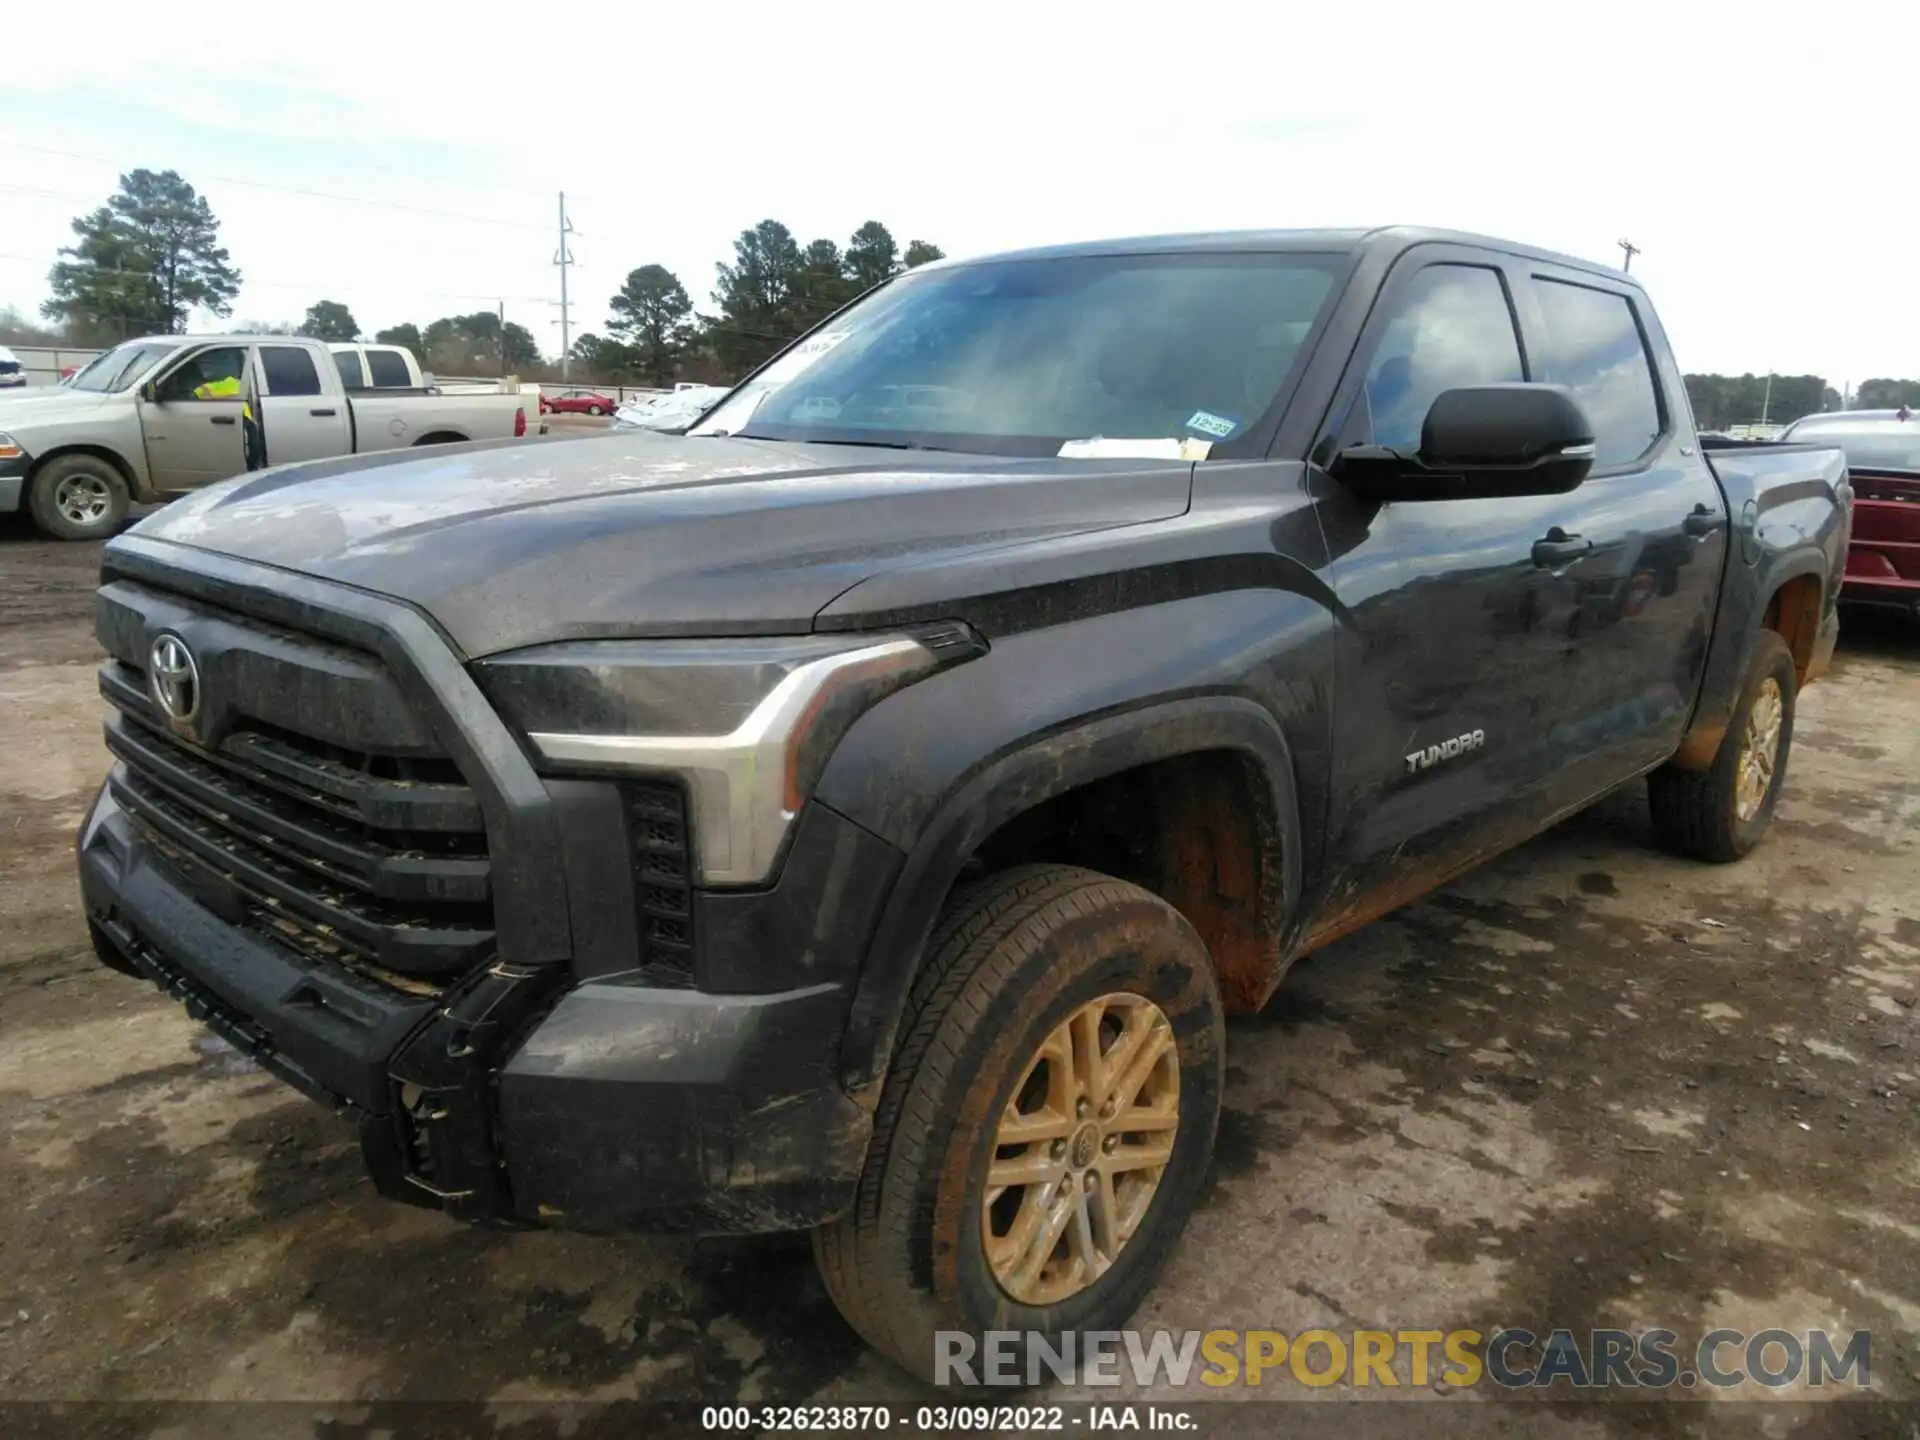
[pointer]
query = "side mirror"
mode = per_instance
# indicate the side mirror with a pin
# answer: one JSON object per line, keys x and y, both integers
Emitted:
{"x": 150, "y": 393}
{"x": 1481, "y": 442}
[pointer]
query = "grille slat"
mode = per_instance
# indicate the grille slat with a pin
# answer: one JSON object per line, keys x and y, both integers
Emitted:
{"x": 374, "y": 863}
{"x": 315, "y": 779}
{"x": 317, "y": 842}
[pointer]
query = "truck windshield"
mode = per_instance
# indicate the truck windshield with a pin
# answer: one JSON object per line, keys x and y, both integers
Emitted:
{"x": 120, "y": 367}
{"x": 1021, "y": 357}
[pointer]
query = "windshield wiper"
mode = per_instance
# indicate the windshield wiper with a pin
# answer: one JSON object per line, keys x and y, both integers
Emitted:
{"x": 883, "y": 444}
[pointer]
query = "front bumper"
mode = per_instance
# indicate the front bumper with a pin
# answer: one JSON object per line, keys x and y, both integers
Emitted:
{"x": 519, "y": 1097}
{"x": 13, "y": 483}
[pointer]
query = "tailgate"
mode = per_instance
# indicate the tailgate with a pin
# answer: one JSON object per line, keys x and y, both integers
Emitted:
{"x": 1885, "y": 550}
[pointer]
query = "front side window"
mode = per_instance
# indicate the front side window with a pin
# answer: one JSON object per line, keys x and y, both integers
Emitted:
{"x": 1452, "y": 327}
{"x": 388, "y": 370}
{"x": 1593, "y": 346}
{"x": 1019, "y": 357}
{"x": 289, "y": 370}
{"x": 210, "y": 375}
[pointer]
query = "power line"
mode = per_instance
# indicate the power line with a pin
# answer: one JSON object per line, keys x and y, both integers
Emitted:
{"x": 329, "y": 195}
{"x": 331, "y": 288}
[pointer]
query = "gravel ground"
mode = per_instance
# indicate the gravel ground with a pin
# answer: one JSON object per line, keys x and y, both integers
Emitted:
{"x": 1590, "y": 1085}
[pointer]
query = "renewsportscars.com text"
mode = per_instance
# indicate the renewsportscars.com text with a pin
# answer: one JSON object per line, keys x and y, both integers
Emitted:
{"x": 1511, "y": 1357}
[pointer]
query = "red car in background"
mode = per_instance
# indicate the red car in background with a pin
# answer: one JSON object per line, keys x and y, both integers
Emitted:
{"x": 578, "y": 402}
{"x": 1883, "y": 462}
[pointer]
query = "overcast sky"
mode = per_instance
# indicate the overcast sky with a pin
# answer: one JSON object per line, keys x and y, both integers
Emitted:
{"x": 1762, "y": 168}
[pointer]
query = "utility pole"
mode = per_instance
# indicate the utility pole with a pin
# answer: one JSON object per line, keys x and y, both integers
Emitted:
{"x": 503, "y": 338}
{"x": 1766, "y": 398}
{"x": 563, "y": 257}
{"x": 1627, "y": 251}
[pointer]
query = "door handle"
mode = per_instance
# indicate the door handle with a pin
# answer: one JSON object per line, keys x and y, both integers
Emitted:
{"x": 222, "y": 419}
{"x": 328, "y": 411}
{"x": 1702, "y": 522}
{"x": 1559, "y": 548}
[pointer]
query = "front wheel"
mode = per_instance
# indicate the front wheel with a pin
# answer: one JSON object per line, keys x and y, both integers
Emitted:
{"x": 1720, "y": 813}
{"x": 595, "y": 411}
{"x": 78, "y": 497}
{"x": 1045, "y": 1126}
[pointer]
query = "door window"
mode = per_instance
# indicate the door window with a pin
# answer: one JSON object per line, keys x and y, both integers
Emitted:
{"x": 1452, "y": 327}
{"x": 210, "y": 375}
{"x": 289, "y": 370}
{"x": 1593, "y": 346}
{"x": 353, "y": 374}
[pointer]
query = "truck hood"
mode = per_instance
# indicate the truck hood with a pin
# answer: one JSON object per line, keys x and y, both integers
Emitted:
{"x": 22, "y": 411}
{"x": 631, "y": 534}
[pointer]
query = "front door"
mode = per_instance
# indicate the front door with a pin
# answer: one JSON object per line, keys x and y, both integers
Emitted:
{"x": 1439, "y": 699}
{"x": 192, "y": 426}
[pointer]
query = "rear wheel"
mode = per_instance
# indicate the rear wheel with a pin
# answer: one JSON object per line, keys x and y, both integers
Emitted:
{"x": 1720, "y": 813}
{"x": 1046, "y": 1124}
{"x": 78, "y": 497}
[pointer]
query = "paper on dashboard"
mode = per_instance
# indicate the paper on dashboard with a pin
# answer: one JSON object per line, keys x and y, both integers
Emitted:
{"x": 1105, "y": 447}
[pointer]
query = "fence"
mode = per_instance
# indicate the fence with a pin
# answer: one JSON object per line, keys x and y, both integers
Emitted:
{"x": 43, "y": 363}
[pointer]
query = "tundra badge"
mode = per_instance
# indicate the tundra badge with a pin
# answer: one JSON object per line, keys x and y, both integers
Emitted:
{"x": 1446, "y": 750}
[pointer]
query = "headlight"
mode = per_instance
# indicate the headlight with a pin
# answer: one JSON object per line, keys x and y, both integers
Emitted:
{"x": 10, "y": 447}
{"x": 748, "y": 725}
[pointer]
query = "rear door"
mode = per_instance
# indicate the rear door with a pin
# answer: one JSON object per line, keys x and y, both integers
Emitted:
{"x": 1624, "y": 624}
{"x": 300, "y": 418}
{"x": 191, "y": 427}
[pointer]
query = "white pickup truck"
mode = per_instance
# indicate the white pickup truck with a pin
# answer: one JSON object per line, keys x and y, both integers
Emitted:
{"x": 156, "y": 417}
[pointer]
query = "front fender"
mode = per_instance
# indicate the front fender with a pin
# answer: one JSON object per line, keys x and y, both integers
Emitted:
{"x": 1015, "y": 783}
{"x": 940, "y": 766}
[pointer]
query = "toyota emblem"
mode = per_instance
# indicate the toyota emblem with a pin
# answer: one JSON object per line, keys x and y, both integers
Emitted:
{"x": 174, "y": 678}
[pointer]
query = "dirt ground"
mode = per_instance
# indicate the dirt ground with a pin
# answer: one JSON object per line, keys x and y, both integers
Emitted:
{"x": 1588, "y": 1086}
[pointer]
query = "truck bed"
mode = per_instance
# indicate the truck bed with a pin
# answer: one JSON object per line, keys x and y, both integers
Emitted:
{"x": 1883, "y": 549}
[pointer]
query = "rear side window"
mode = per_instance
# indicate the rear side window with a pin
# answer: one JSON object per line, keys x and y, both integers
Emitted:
{"x": 1594, "y": 347}
{"x": 1451, "y": 326}
{"x": 353, "y": 374}
{"x": 389, "y": 371}
{"x": 289, "y": 371}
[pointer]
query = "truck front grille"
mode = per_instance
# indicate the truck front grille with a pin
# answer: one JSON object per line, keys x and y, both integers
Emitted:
{"x": 376, "y": 863}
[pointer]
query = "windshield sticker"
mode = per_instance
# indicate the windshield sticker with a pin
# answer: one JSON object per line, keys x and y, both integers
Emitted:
{"x": 1207, "y": 423}
{"x": 802, "y": 355}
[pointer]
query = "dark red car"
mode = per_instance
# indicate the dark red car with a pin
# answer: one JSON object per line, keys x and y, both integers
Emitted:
{"x": 578, "y": 402}
{"x": 1883, "y": 461}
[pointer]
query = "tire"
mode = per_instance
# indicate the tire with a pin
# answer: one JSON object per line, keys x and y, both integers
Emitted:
{"x": 1701, "y": 814}
{"x": 595, "y": 411}
{"x": 78, "y": 497}
{"x": 1010, "y": 961}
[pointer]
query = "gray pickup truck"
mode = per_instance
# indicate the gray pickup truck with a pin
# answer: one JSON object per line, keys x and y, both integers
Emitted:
{"x": 859, "y": 813}
{"x": 160, "y": 416}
